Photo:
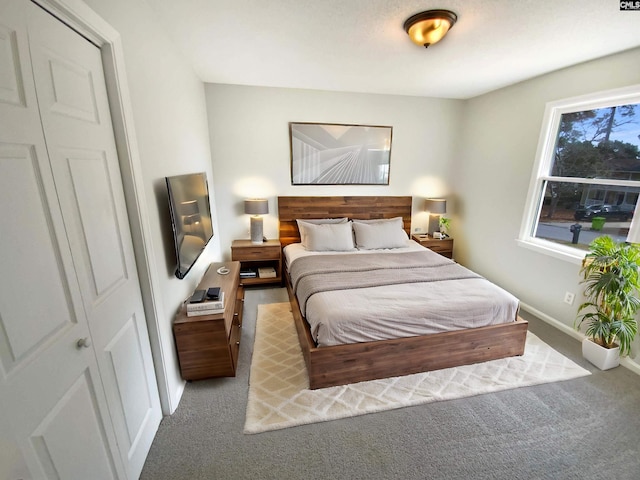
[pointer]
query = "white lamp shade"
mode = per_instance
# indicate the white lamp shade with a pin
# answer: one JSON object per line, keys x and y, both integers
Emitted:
{"x": 256, "y": 206}
{"x": 435, "y": 205}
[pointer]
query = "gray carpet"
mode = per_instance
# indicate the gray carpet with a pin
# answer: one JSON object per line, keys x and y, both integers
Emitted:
{"x": 588, "y": 428}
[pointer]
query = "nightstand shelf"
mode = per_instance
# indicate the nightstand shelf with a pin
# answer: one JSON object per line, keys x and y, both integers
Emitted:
{"x": 444, "y": 247}
{"x": 254, "y": 256}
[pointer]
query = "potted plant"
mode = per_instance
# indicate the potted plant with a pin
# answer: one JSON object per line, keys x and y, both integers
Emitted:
{"x": 444, "y": 224}
{"x": 611, "y": 275}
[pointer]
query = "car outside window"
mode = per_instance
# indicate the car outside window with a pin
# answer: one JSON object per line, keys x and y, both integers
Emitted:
{"x": 586, "y": 181}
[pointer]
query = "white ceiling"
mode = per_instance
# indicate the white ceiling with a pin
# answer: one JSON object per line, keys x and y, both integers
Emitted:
{"x": 361, "y": 46}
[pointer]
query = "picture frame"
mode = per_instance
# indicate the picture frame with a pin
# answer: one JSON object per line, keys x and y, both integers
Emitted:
{"x": 339, "y": 154}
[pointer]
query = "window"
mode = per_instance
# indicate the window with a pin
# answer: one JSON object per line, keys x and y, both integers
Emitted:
{"x": 586, "y": 180}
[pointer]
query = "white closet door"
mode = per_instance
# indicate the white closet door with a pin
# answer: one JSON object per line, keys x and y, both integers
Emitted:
{"x": 74, "y": 108}
{"x": 88, "y": 411}
{"x": 50, "y": 390}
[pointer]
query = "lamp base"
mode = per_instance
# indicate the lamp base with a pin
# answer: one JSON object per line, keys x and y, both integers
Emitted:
{"x": 434, "y": 224}
{"x": 256, "y": 230}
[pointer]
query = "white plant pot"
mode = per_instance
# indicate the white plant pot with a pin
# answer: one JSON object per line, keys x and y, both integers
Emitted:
{"x": 603, "y": 358}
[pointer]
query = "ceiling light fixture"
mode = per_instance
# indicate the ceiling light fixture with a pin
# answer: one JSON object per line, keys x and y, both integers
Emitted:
{"x": 427, "y": 28}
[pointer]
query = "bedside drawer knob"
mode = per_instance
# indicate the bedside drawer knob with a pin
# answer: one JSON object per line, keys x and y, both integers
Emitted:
{"x": 237, "y": 343}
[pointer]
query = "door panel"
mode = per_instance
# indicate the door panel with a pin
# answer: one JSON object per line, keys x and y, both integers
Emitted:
{"x": 31, "y": 259}
{"x": 127, "y": 358}
{"x": 11, "y": 87}
{"x": 61, "y": 432}
{"x": 71, "y": 89}
{"x": 83, "y": 181}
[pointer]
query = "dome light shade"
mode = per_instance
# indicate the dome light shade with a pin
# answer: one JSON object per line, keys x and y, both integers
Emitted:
{"x": 427, "y": 28}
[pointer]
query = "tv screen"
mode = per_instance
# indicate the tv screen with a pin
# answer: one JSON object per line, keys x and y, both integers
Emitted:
{"x": 190, "y": 218}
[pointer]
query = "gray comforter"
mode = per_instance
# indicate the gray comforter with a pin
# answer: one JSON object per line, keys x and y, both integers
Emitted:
{"x": 356, "y": 298}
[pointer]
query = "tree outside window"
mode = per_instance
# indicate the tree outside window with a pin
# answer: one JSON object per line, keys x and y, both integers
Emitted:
{"x": 587, "y": 178}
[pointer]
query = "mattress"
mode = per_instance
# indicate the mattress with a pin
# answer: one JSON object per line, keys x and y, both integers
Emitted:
{"x": 364, "y": 296}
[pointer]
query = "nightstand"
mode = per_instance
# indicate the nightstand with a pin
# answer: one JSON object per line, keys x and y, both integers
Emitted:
{"x": 443, "y": 247}
{"x": 254, "y": 258}
{"x": 208, "y": 345}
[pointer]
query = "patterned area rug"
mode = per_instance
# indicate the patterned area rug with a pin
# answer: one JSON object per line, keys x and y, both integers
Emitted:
{"x": 279, "y": 395}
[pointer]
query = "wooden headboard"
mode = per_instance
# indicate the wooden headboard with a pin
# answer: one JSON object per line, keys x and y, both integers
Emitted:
{"x": 362, "y": 208}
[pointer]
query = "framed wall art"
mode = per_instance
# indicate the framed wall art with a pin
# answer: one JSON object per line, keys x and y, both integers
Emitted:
{"x": 337, "y": 154}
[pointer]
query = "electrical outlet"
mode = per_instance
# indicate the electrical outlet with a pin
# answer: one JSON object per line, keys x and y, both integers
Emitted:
{"x": 569, "y": 297}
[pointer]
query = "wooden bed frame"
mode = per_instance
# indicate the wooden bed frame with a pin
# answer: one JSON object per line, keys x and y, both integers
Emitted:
{"x": 342, "y": 364}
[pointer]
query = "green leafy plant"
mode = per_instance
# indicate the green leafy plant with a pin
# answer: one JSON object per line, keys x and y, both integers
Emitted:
{"x": 444, "y": 223}
{"x": 611, "y": 277}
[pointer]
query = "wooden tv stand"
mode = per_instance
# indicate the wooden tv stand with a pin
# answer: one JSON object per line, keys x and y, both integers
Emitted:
{"x": 208, "y": 345}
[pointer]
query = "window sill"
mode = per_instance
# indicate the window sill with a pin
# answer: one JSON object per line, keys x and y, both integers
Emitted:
{"x": 568, "y": 254}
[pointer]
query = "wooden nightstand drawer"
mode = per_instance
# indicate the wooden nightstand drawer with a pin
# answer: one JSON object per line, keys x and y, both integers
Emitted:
{"x": 443, "y": 247}
{"x": 255, "y": 253}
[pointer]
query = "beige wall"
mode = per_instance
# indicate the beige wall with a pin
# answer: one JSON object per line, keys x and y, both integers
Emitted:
{"x": 172, "y": 137}
{"x": 249, "y": 132}
{"x": 499, "y": 142}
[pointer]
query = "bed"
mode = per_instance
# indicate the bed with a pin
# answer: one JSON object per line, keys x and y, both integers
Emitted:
{"x": 333, "y": 362}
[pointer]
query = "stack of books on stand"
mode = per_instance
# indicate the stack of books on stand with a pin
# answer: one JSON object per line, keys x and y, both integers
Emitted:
{"x": 248, "y": 273}
{"x": 208, "y": 307}
{"x": 267, "y": 272}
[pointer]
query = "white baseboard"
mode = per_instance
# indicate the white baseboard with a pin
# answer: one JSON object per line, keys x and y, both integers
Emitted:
{"x": 175, "y": 401}
{"x": 624, "y": 361}
{"x": 552, "y": 321}
{"x": 630, "y": 364}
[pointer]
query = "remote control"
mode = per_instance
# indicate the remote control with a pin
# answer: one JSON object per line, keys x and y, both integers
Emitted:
{"x": 198, "y": 296}
{"x": 213, "y": 293}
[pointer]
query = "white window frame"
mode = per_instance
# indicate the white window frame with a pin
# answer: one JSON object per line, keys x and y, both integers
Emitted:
{"x": 544, "y": 161}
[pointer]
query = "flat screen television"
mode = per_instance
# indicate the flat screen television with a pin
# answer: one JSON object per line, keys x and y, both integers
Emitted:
{"x": 190, "y": 218}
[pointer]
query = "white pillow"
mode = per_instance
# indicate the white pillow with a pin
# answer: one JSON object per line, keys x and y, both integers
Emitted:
{"x": 303, "y": 223}
{"x": 375, "y": 235}
{"x": 326, "y": 237}
{"x": 381, "y": 220}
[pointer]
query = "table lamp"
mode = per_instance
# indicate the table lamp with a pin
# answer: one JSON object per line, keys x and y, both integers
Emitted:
{"x": 256, "y": 207}
{"x": 435, "y": 207}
